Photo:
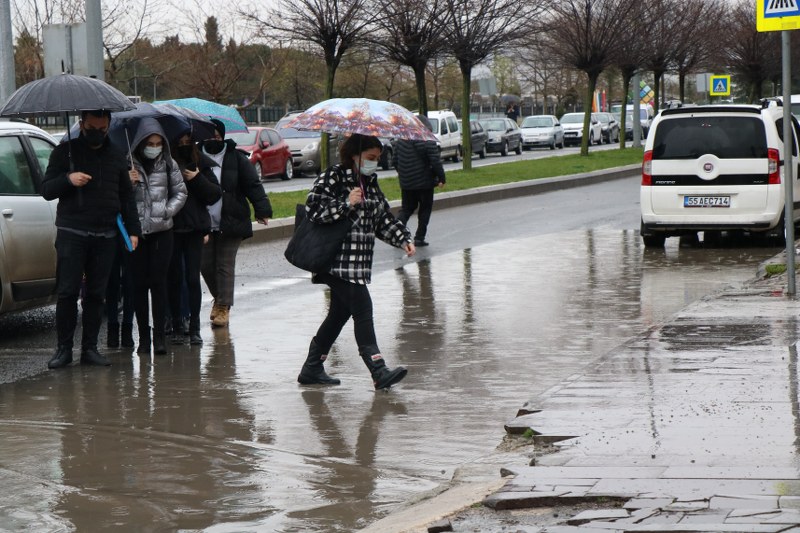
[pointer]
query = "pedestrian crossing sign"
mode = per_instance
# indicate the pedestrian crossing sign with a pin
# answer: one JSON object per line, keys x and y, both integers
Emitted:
{"x": 720, "y": 86}
{"x": 777, "y": 15}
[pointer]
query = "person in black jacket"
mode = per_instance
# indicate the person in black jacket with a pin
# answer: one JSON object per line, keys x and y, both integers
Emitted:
{"x": 191, "y": 227}
{"x": 91, "y": 180}
{"x": 230, "y": 219}
{"x": 419, "y": 169}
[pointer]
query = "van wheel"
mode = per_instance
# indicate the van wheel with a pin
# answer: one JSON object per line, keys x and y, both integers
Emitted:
{"x": 779, "y": 238}
{"x": 654, "y": 239}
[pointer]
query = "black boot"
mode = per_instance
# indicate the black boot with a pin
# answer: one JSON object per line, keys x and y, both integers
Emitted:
{"x": 127, "y": 335}
{"x": 90, "y": 356}
{"x": 383, "y": 377}
{"x": 112, "y": 339}
{"x": 177, "y": 332}
{"x": 144, "y": 341}
{"x": 61, "y": 358}
{"x": 313, "y": 372}
{"x": 159, "y": 342}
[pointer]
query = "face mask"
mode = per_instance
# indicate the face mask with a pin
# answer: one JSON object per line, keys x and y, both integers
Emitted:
{"x": 151, "y": 152}
{"x": 368, "y": 168}
{"x": 94, "y": 137}
{"x": 213, "y": 146}
{"x": 185, "y": 152}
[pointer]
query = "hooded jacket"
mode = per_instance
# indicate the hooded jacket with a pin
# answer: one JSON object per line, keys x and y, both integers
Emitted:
{"x": 93, "y": 207}
{"x": 418, "y": 164}
{"x": 160, "y": 194}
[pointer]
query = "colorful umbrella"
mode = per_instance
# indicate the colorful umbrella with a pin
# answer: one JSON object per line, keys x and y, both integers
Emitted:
{"x": 377, "y": 118}
{"x": 234, "y": 123}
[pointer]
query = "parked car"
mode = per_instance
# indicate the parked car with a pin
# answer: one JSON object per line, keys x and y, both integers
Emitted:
{"x": 609, "y": 127}
{"x": 542, "y": 130}
{"x": 268, "y": 152}
{"x": 27, "y": 227}
{"x": 573, "y": 129}
{"x": 387, "y": 153}
{"x": 305, "y": 147}
{"x": 445, "y": 127}
{"x": 628, "y": 125}
{"x": 716, "y": 168}
{"x": 478, "y": 137}
{"x": 504, "y": 135}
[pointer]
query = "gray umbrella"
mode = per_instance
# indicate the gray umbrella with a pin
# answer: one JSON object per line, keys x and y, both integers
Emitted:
{"x": 64, "y": 93}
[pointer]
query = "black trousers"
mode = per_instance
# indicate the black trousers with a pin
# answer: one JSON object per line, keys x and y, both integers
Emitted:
{"x": 83, "y": 260}
{"x": 410, "y": 200}
{"x": 187, "y": 252}
{"x": 347, "y": 299}
{"x": 150, "y": 265}
{"x": 120, "y": 280}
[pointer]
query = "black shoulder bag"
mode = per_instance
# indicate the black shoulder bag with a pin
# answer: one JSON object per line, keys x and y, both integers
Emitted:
{"x": 313, "y": 247}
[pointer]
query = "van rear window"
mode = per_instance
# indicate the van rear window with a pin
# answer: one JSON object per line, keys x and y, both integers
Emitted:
{"x": 726, "y": 137}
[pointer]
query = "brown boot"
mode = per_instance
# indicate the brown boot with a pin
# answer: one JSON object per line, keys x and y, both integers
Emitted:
{"x": 222, "y": 316}
{"x": 214, "y": 311}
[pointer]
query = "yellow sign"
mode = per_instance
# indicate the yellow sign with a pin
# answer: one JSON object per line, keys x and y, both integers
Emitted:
{"x": 720, "y": 86}
{"x": 777, "y": 15}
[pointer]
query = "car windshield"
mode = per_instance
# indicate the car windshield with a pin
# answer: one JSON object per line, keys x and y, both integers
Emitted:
{"x": 572, "y": 118}
{"x": 603, "y": 118}
{"x": 244, "y": 139}
{"x": 494, "y": 125}
{"x": 291, "y": 133}
{"x": 537, "y": 122}
{"x": 724, "y": 136}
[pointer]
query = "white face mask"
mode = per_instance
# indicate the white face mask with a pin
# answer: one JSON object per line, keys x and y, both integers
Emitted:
{"x": 151, "y": 152}
{"x": 368, "y": 168}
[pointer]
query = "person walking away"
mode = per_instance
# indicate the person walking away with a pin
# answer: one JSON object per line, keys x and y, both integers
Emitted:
{"x": 350, "y": 189}
{"x": 191, "y": 227}
{"x": 230, "y": 219}
{"x": 160, "y": 194}
{"x": 419, "y": 170}
{"x": 91, "y": 180}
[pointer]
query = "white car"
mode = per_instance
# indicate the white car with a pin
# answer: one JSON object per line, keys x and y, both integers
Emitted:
{"x": 542, "y": 130}
{"x": 713, "y": 169}
{"x": 447, "y": 130}
{"x": 27, "y": 227}
{"x": 573, "y": 129}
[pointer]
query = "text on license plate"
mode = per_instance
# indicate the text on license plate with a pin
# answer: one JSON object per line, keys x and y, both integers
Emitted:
{"x": 706, "y": 201}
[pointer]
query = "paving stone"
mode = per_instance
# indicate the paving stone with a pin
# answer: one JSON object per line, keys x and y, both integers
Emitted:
{"x": 597, "y": 514}
{"x": 751, "y": 502}
{"x": 705, "y": 528}
{"x": 735, "y": 472}
{"x": 687, "y": 506}
{"x": 647, "y": 503}
{"x": 789, "y": 502}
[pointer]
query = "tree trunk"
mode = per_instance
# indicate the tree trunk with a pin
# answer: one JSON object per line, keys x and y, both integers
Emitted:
{"x": 466, "y": 141}
{"x": 324, "y": 155}
{"x": 626, "y": 84}
{"x": 587, "y": 114}
{"x": 657, "y": 74}
{"x": 422, "y": 92}
{"x": 682, "y": 85}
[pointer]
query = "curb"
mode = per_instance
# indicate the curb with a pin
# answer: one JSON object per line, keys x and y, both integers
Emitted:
{"x": 282, "y": 228}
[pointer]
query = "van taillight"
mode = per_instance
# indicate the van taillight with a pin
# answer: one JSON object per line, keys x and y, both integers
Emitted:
{"x": 774, "y": 166}
{"x": 647, "y": 168}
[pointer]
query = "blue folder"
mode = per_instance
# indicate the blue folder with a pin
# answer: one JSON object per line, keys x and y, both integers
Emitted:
{"x": 124, "y": 233}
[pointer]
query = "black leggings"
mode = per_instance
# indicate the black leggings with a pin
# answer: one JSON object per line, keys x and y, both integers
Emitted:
{"x": 150, "y": 264}
{"x": 347, "y": 299}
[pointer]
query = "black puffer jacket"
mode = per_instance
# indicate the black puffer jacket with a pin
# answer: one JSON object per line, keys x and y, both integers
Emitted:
{"x": 418, "y": 164}
{"x": 240, "y": 183}
{"x": 93, "y": 207}
{"x": 203, "y": 191}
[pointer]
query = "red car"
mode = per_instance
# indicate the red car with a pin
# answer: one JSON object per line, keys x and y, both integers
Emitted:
{"x": 268, "y": 152}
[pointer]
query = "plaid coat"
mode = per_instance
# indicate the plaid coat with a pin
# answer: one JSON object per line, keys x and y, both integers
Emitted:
{"x": 327, "y": 202}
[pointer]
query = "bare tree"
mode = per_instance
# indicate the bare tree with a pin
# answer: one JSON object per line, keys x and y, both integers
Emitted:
{"x": 547, "y": 76}
{"x": 586, "y": 34}
{"x": 410, "y": 32}
{"x": 335, "y": 26}
{"x": 629, "y": 59}
{"x": 476, "y": 30}
{"x": 753, "y": 56}
{"x": 694, "y": 48}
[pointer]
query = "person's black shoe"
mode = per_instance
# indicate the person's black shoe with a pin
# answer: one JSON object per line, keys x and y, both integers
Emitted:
{"x": 386, "y": 377}
{"x": 127, "y": 335}
{"x": 61, "y": 358}
{"x": 159, "y": 343}
{"x": 419, "y": 242}
{"x": 195, "y": 339}
{"x": 112, "y": 339}
{"x": 90, "y": 356}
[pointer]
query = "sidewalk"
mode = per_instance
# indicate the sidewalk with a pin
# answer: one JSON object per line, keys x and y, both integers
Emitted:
{"x": 694, "y": 426}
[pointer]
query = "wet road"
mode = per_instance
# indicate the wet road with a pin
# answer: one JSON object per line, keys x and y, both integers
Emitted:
{"x": 508, "y": 301}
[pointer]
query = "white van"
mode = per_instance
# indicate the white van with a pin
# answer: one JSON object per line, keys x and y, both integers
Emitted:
{"x": 447, "y": 129}
{"x": 716, "y": 168}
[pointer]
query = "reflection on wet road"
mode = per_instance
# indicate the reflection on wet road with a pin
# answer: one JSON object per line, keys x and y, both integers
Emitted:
{"x": 221, "y": 438}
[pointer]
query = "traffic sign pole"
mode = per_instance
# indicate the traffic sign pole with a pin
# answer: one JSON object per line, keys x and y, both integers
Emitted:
{"x": 788, "y": 165}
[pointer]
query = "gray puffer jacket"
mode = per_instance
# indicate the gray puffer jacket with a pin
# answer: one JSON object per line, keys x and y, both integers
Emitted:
{"x": 161, "y": 192}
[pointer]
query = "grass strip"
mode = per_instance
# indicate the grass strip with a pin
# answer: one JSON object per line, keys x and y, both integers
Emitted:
{"x": 283, "y": 202}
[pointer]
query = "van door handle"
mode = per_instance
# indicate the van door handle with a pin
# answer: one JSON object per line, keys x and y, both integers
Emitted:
{"x": 8, "y": 213}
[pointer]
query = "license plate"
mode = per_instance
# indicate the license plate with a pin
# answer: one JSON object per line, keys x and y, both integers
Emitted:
{"x": 706, "y": 201}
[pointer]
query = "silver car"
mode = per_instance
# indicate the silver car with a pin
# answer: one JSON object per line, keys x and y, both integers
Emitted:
{"x": 305, "y": 147}
{"x": 542, "y": 130}
{"x": 27, "y": 224}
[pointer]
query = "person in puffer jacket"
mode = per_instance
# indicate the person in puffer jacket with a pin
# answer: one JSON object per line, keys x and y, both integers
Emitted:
{"x": 160, "y": 194}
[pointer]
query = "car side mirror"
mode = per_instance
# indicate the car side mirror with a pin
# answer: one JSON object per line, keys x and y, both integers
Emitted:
{"x": 265, "y": 144}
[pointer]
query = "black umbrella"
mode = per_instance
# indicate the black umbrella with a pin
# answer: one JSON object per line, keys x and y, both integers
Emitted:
{"x": 64, "y": 93}
{"x": 510, "y": 99}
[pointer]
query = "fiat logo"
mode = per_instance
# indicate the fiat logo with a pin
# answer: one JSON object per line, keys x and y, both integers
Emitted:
{"x": 708, "y": 167}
